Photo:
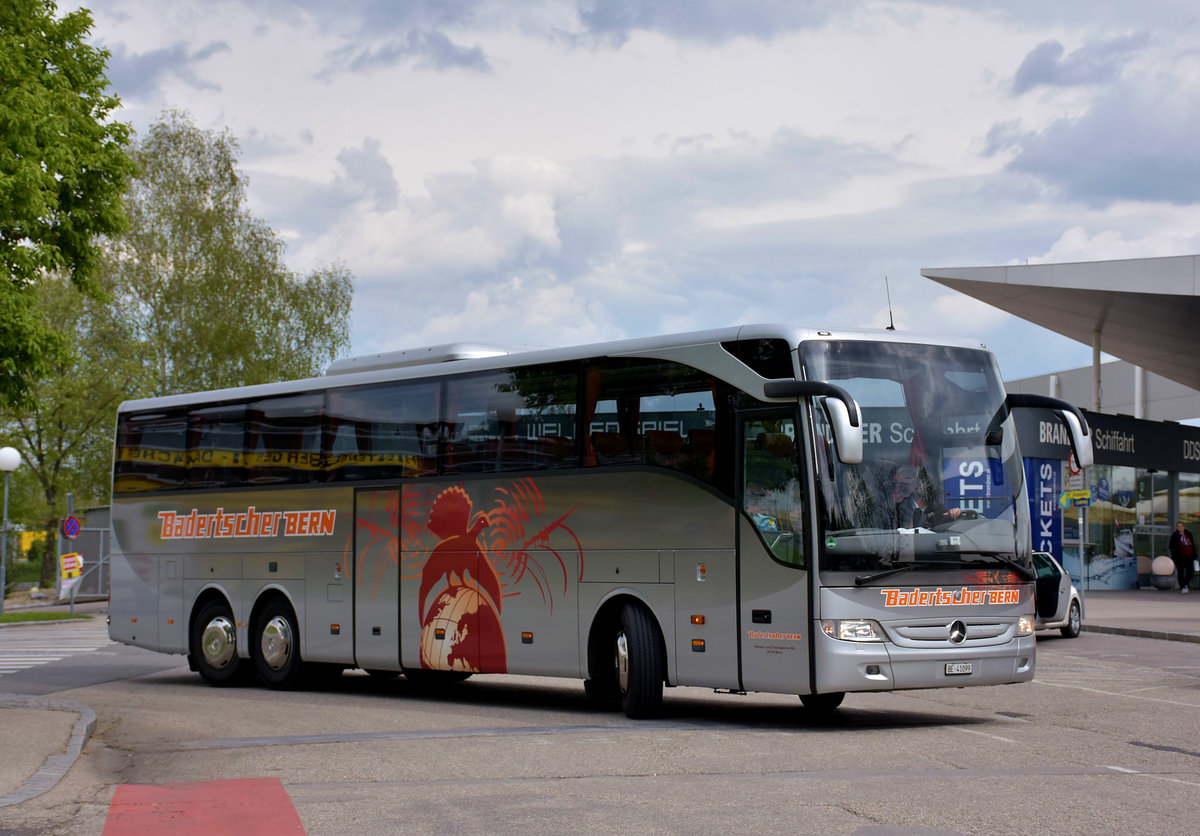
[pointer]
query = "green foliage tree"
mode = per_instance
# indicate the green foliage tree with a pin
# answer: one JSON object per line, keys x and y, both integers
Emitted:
{"x": 193, "y": 295}
{"x": 213, "y": 301}
{"x": 65, "y": 432}
{"x": 63, "y": 168}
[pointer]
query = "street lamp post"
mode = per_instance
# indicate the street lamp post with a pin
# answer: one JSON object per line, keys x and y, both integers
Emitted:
{"x": 10, "y": 460}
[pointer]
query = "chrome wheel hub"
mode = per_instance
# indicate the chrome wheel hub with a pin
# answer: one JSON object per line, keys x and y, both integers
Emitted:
{"x": 277, "y": 642}
{"x": 622, "y": 662}
{"x": 219, "y": 643}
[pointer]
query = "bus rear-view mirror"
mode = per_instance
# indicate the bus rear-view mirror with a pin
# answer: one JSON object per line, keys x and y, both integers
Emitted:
{"x": 842, "y": 411}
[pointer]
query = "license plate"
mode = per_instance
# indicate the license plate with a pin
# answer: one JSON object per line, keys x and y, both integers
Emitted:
{"x": 957, "y": 668}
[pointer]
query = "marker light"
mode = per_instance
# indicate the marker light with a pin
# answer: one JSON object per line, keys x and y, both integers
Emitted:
{"x": 853, "y": 630}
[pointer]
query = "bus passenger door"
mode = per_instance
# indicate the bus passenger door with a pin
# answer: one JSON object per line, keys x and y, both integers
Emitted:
{"x": 773, "y": 565}
{"x": 376, "y": 579}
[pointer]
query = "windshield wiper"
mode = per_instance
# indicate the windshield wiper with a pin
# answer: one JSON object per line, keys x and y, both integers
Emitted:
{"x": 916, "y": 564}
{"x": 945, "y": 564}
{"x": 1023, "y": 571}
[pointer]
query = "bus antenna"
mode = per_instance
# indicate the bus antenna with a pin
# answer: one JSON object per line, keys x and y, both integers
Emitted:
{"x": 891, "y": 322}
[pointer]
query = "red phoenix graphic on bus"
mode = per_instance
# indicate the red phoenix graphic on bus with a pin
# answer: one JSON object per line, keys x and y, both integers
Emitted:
{"x": 461, "y": 629}
{"x": 468, "y": 561}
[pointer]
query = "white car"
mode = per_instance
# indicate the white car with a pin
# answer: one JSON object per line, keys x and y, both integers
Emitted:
{"x": 1058, "y": 602}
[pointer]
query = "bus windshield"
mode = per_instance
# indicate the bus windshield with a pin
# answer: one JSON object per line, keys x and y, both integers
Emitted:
{"x": 941, "y": 471}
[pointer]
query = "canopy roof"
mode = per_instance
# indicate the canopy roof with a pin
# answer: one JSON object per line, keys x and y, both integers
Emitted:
{"x": 1146, "y": 310}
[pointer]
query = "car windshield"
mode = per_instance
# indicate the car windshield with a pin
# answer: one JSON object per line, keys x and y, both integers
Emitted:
{"x": 940, "y": 473}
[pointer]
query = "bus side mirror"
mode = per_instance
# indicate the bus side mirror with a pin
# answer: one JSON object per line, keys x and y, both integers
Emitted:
{"x": 1077, "y": 426}
{"x": 843, "y": 412}
{"x": 1081, "y": 439}
{"x": 849, "y": 438}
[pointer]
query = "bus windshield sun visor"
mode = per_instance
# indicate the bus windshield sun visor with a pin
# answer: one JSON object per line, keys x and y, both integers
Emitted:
{"x": 844, "y": 414}
{"x": 1077, "y": 426}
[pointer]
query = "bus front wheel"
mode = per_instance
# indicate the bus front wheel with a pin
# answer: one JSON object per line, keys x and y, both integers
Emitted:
{"x": 822, "y": 703}
{"x": 639, "y": 663}
{"x": 214, "y": 645}
{"x": 276, "y": 646}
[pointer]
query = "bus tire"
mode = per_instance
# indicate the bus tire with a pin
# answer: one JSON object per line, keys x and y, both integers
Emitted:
{"x": 638, "y": 662}
{"x": 822, "y": 703}
{"x": 213, "y": 645}
{"x": 276, "y": 646}
{"x": 601, "y": 685}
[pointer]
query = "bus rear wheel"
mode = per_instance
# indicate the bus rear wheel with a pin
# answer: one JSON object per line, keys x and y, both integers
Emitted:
{"x": 639, "y": 663}
{"x": 276, "y": 646}
{"x": 214, "y": 645}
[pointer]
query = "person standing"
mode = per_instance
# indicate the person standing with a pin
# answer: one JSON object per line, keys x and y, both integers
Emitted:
{"x": 1183, "y": 552}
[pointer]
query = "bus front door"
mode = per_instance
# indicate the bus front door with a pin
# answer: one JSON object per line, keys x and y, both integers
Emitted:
{"x": 772, "y": 563}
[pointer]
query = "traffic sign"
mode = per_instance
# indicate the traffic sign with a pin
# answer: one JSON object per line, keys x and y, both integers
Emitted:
{"x": 71, "y": 528}
{"x": 1075, "y": 499}
{"x": 72, "y": 564}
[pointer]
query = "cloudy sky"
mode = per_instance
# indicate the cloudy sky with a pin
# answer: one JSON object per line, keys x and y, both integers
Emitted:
{"x": 560, "y": 171}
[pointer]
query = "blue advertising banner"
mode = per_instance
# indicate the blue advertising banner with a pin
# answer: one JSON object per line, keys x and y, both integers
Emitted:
{"x": 971, "y": 482}
{"x": 1043, "y": 478}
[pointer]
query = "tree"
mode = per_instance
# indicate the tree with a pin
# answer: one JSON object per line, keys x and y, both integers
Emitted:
{"x": 193, "y": 295}
{"x": 63, "y": 168}
{"x": 65, "y": 433}
{"x": 214, "y": 304}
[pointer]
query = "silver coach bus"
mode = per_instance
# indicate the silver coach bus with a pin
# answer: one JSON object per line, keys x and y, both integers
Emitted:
{"x": 761, "y": 508}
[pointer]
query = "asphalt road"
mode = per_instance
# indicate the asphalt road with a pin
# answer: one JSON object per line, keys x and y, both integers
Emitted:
{"x": 1105, "y": 740}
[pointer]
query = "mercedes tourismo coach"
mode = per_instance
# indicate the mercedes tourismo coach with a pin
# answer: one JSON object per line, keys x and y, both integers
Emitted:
{"x": 763, "y": 508}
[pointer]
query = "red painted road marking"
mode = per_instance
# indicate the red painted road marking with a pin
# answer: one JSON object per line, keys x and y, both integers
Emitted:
{"x": 250, "y": 806}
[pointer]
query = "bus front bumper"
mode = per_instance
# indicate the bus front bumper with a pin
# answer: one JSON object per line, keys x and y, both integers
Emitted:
{"x": 884, "y": 666}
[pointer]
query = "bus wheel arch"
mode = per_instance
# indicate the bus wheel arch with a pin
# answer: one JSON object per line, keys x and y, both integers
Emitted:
{"x": 212, "y": 640}
{"x": 275, "y": 641}
{"x": 627, "y": 658}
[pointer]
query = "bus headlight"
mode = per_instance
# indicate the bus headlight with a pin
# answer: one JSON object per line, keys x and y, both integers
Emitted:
{"x": 1025, "y": 625}
{"x": 853, "y": 629}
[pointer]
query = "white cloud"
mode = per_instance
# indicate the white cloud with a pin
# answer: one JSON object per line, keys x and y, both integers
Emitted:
{"x": 585, "y": 170}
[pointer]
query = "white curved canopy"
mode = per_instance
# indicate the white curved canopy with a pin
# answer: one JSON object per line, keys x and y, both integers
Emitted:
{"x": 1146, "y": 310}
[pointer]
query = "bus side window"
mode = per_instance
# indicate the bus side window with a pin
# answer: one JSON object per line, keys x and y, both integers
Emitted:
{"x": 151, "y": 452}
{"x": 215, "y": 455}
{"x": 511, "y": 420}
{"x": 771, "y": 489}
{"x": 650, "y": 412}
{"x": 382, "y": 431}
{"x": 283, "y": 440}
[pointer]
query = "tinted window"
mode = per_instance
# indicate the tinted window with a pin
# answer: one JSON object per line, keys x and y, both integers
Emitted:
{"x": 383, "y": 432}
{"x": 215, "y": 446}
{"x": 769, "y": 358}
{"x": 283, "y": 440}
{"x": 151, "y": 452}
{"x": 651, "y": 412}
{"x": 517, "y": 419}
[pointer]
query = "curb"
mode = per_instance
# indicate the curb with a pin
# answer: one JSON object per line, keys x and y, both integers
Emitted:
{"x": 74, "y": 620}
{"x": 56, "y": 766}
{"x": 1161, "y": 635}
